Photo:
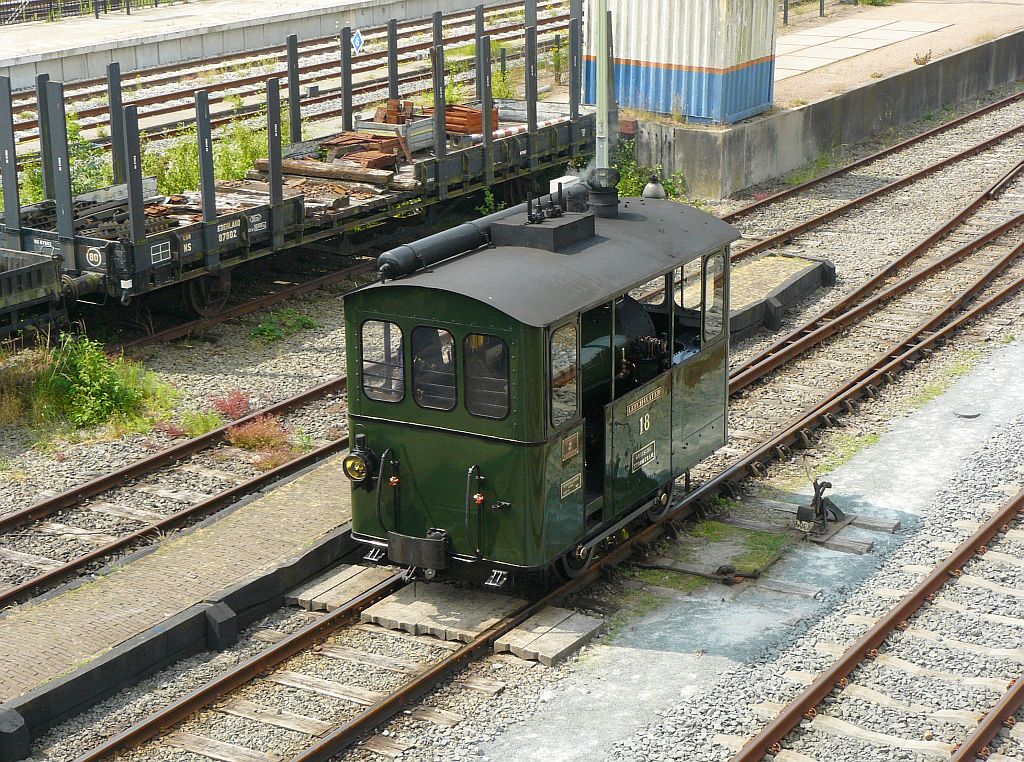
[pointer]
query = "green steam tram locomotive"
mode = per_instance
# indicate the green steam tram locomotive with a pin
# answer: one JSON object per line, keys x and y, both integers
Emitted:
{"x": 525, "y": 385}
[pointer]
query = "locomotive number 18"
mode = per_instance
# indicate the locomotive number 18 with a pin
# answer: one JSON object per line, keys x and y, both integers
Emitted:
{"x": 645, "y": 423}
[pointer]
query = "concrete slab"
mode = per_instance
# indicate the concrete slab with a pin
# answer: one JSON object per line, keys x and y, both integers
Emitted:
{"x": 565, "y": 638}
{"x": 448, "y": 613}
{"x": 339, "y": 595}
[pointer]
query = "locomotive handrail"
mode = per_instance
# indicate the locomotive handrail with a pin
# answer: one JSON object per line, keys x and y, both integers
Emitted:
{"x": 386, "y": 457}
{"x": 473, "y": 497}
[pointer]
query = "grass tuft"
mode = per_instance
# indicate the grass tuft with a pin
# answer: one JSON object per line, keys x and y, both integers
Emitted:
{"x": 195, "y": 423}
{"x": 282, "y": 324}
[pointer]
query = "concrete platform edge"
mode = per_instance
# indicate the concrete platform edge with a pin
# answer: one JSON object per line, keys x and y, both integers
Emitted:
{"x": 176, "y": 638}
{"x": 720, "y": 162}
{"x": 771, "y": 309}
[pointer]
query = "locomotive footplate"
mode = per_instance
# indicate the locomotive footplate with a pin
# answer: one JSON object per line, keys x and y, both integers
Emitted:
{"x": 430, "y": 552}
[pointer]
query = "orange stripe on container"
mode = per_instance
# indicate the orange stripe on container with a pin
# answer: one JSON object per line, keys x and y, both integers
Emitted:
{"x": 682, "y": 67}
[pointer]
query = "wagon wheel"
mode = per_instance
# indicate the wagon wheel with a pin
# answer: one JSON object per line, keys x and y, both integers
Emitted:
{"x": 662, "y": 503}
{"x": 207, "y": 296}
{"x": 576, "y": 562}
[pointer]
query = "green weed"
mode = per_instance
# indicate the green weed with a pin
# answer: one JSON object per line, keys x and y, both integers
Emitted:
{"x": 199, "y": 422}
{"x": 502, "y": 86}
{"x": 282, "y": 324}
{"x": 635, "y": 176}
{"x": 73, "y": 384}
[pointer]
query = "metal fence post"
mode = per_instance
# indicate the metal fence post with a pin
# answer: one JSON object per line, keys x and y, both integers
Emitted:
{"x": 531, "y": 14}
{"x": 821, "y": 9}
{"x": 576, "y": 9}
{"x": 438, "y": 29}
{"x": 478, "y": 17}
{"x": 531, "y": 75}
{"x": 133, "y": 178}
{"x": 504, "y": 62}
{"x": 393, "y": 59}
{"x": 9, "y": 167}
{"x": 62, "y": 194}
{"x": 346, "y": 79}
{"x": 440, "y": 120}
{"x": 531, "y": 78}
{"x": 575, "y": 68}
{"x": 785, "y": 12}
{"x": 115, "y": 105}
{"x": 294, "y": 98}
{"x": 45, "y": 151}
{"x": 207, "y": 181}
{"x": 487, "y": 104}
{"x": 275, "y": 177}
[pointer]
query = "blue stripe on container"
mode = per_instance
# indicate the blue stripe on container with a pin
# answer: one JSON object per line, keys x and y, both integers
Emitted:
{"x": 706, "y": 97}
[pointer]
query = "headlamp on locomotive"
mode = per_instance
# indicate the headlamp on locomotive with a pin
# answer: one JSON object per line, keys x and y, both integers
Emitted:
{"x": 524, "y": 385}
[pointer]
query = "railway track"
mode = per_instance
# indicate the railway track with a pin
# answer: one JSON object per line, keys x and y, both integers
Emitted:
{"x": 975, "y": 279}
{"x": 854, "y": 321}
{"x": 84, "y": 528}
{"x": 964, "y": 581}
{"x": 322, "y": 62}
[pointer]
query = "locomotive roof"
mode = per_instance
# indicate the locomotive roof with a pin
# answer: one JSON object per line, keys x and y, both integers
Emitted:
{"x": 538, "y": 287}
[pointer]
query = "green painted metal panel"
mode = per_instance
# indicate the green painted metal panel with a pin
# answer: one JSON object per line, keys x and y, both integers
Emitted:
{"x": 638, "y": 444}
{"x": 564, "y": 517}
{"x": 699, "y": 393}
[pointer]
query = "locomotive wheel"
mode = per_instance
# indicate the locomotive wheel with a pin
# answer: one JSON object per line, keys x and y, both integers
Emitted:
{"x": 662, "y": 503}
{"x": 207, "y": 296}
{"x": 574, "y": 563}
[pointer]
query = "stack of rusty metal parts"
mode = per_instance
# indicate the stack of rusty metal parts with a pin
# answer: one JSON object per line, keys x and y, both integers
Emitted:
{"x": 465, "y": 120}
{"x": 318, "y": 198}
{"x": 396, "y": 112}
{"x": 363, "y": 148}
{"x": 106, "y": 219}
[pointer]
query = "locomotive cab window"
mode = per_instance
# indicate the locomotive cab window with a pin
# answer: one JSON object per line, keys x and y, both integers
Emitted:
{"x": 485, "y": 370}
{"x": 714, "y": 296}
{"x": 383, "y": 364}
{"x": 564, "y": 384}
{"x": 433, "y": 368}
{"x": 687, "y": 291}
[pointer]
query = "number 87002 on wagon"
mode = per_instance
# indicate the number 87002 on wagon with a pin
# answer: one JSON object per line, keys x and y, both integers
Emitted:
{"x": 523, "y": 386}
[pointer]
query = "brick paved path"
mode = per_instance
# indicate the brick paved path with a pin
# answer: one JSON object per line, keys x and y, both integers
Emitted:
{"x": 50, "y": 639}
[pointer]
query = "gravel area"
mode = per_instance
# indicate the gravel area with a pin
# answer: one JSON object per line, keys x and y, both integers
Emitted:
{"x": 76, "y": 736}
{"x": 727, "y": 707}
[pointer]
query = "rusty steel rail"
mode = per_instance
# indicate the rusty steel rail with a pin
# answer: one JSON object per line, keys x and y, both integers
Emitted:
{"x": 1001, "y": 715}
{"x": 800, "y": 227}
{"x": 835, "y": 311}
{"x": 770, "y": 738}
{"x": 86, "y": 88}
{"x": 181, "y": 518}
{"x": 299, "y": 289}
{"x": 796, "y": 189}
{"x": 241, "y": 674}
{"x": 166, "y": 457}
{"x": 819, "y": 329}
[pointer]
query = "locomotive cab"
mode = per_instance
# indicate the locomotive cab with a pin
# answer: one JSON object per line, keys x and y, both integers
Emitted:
{"x": 513, "y": 405}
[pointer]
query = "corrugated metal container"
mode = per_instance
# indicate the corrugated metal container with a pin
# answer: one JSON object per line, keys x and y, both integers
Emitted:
{"x": 709, "y": 61}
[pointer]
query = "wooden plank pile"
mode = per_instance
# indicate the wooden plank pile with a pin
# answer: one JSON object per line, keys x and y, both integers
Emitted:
{"x": 395, "y": 112}
{"x": 357, "y": 142}
{"x": 465, "y": 120}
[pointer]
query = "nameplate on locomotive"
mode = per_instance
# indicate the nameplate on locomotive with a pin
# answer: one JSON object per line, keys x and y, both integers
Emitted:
{"x": 644, "y": 401}
{"x": 643, "y": 456}
{"x": 572, "y": 485}
{"x": 571, "y": 446}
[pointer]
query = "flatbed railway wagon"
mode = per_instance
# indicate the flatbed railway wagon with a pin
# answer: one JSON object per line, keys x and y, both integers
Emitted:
{"x": 524, "y": 386}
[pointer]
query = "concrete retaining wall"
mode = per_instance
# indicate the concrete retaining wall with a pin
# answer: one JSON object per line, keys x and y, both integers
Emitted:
{"x": 211, "y": 625}
{"x": 89, "y": 61}
{"x": 719, "y": 162}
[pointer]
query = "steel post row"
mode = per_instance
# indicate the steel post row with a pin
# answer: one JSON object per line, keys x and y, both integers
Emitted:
{"x": 532, "y": 72}
{"x": 480, "y": 31}
{"x": 133, "y": 177}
